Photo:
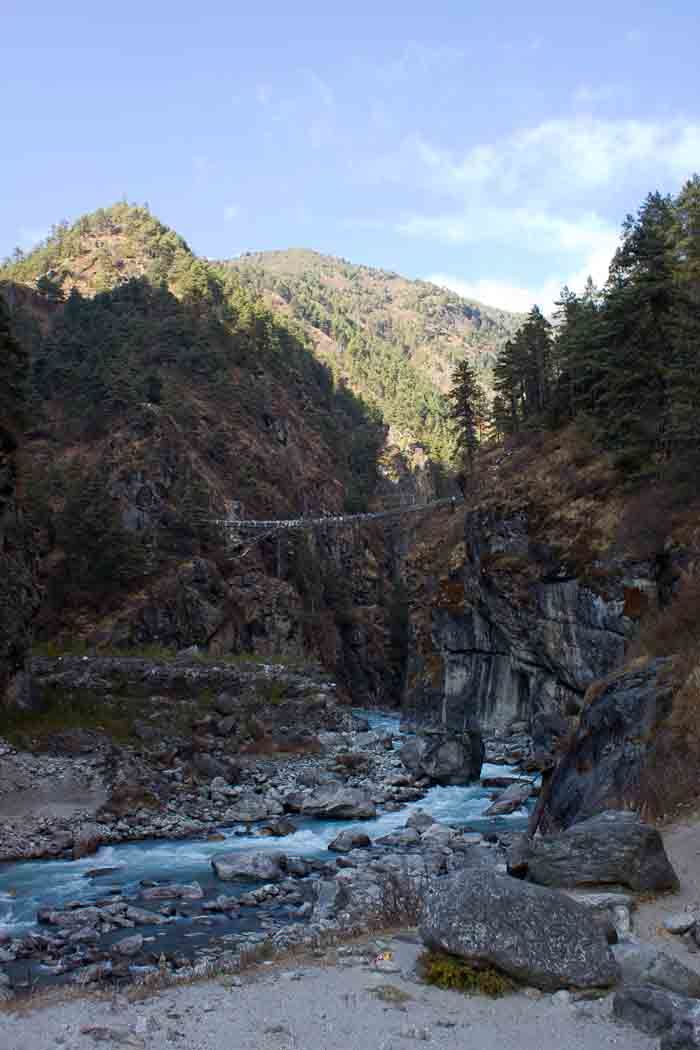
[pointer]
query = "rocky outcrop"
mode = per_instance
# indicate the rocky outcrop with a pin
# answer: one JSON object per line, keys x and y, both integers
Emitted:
{"x": 530, "y": 933}
{"x": 514, "y": 628}
{"x": 444, "y": 758}
{"x": 625, "y": 752}
{"x": 611, "y": 848}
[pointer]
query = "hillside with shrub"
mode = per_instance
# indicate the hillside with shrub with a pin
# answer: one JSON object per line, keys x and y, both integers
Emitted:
{"x": 394, "y": 341}
{"x": 162, "y": 394}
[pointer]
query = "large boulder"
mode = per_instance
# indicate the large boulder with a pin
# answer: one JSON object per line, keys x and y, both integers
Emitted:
{"x": 612, "y": 848}
{"x": 535, "y": 935}
{"x": 247, "y": 867}
{"x": 444, "y": 757}
{"x": 334, "y": 803}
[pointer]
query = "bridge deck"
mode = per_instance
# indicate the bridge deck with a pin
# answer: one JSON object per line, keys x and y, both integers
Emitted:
{"x": 333, "y": 520}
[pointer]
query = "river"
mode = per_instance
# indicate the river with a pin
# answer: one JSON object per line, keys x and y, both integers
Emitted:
{"x": 29, "y": 885}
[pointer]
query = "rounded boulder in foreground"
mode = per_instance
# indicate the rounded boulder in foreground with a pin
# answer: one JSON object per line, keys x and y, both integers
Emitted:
{"x": 535, "y": 935}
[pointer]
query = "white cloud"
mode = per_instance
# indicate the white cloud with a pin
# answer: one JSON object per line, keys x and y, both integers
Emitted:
{"x": 520, "y": 297}
{"x": 536, "y": 230}
{"x": 562, "y": 158}
{"x": 598, "y": 244}
{"x": 231, "y": 212}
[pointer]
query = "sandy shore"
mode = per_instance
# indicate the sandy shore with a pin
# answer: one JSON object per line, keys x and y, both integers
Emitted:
{"x": 322, "y": 1007}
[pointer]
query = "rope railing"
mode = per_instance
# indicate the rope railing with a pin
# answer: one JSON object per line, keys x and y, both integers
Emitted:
{"x": 332, "y": 520}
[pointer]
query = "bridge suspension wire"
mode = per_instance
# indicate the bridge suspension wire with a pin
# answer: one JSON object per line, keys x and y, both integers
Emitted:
{"x": 329, "y": 521}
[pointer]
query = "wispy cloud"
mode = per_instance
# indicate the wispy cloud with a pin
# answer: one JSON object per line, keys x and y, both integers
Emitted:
{"x": 556, "y": 158}
{"x": 594, "y": 251}
{"x": 530, "y": 192}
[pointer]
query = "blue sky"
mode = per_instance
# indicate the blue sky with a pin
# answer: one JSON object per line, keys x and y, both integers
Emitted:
{"x": 493, "y": 147}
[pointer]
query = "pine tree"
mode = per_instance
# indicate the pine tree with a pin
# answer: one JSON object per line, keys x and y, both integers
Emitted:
{"x": 467, "y": 410}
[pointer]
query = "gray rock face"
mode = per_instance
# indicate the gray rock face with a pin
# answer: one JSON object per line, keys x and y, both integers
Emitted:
{"x": 512, "y": 634}
{"x": 613, "y": 749}
{"x": 612, "y": 848}
{"x": 659, "y": 1012}
{"x": 445, "y": 758}
{"x": 262, "y": 866}
{"x": 533, "y": 934}
{"x": 644, "y": 964}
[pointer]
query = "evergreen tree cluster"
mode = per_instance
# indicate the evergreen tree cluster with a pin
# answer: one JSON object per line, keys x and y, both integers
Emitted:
{"x": 394, "y": 341}
{"x": 625, "y": 359}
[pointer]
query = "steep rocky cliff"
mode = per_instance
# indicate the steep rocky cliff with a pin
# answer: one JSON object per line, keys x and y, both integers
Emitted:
{"x": 531, "y": 594}
{"x": 164, "y": 396}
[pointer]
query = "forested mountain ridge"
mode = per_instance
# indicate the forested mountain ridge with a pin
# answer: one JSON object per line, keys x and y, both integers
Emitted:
{"x": 395, "y": 341}
{"x": 160, "y": 394}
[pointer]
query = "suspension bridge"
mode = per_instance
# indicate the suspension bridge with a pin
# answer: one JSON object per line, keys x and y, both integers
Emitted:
{"x": 244, "y": 534}
{"x": 328, "y": 521}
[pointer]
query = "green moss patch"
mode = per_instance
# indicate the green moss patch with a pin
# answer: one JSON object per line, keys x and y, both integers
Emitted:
{"x": 450, "y": 972}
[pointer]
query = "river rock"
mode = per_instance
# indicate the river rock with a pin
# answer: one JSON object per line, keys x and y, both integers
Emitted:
{"x": 279, "y": 828}
{"x": 349, "y": 839}
{"x": 444, "y": 758}
{"x": 86, "y": 841}
{"x": 259, "y": 866}
{"x": 250, "y": 807}
{"x": 642, "y": 963}
{"x": 226, "y": 704}
{"x": 535, "y": 935}
{"x": 680, "y": 923}
{"x": 337, "y": 803}
{"x": 658, "y": 1011}
{"x": 438, "y": 835}
{"x": 611, "y": 848}
{"x": 226, "y": 726}
{"x": 143, "y": 917}
{"x": 209, "y": 767}
{"x": 401, "y": 837}
{"x": 174, "y": 891}
{"x": 514, "y": 797}
{"x": 420, "y": 820}
{"x": 221, "y": 790}
{"x": 129, "y": 946}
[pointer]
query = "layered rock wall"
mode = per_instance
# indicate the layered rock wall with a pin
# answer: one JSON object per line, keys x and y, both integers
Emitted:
{"x": 511, "y": 630}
